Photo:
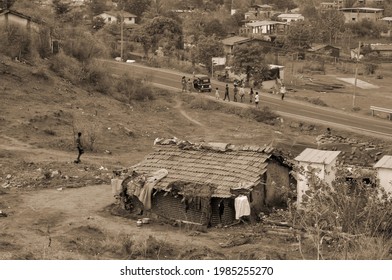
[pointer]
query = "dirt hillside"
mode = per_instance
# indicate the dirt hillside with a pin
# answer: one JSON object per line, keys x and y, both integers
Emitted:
{"x": 52, "y": 208}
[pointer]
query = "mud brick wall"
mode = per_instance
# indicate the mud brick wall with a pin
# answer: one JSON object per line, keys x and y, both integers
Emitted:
{"x": 171, "y": 207}
{"x": 280, "y": 176}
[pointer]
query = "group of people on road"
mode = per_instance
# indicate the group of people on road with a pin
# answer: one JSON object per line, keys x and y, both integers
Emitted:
{"x": 187, "y": 85}
{"x": 237, "y": 91}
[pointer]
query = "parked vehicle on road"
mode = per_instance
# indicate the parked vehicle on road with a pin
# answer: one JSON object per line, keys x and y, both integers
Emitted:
{"x": 202, "y": 83}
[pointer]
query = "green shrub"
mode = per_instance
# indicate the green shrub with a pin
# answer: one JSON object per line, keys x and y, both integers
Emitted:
{"x": 82, "y": 45}
{"x": 338, "y": 215}
{"x": 15, "y": 41}
{"x": 96, "y": 75}
{"x": 134, "y": 89}
{"x": 41, "y": 73}
{"x": 66, "y": 67}
{"x": 265, "y": 115}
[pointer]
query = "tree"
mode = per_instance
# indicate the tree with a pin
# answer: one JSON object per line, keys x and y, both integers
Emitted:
{"x": 97, "y": 6}
{"x": 207, "y": 48}
{"x": 136, "y": 7}
{"x": 214, "y": 27}
{"x": 249, "y": 59}
{"x": 98, "y": 23}
{"x": 330, "y": 24}
{"x": 157, "y": 8}
{"x": 164, "y": 28}
{"x": 61, "y": 8}
{"x": 282, "y": 4}
{"x": 140, "y": 36}
{"x": 6, "y": 4}
{"x": 366, "y": 28}
{"x": 299, "y": 35}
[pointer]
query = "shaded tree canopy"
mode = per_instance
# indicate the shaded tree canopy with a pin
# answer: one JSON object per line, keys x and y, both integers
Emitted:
{"x": 6, "y": 4}
{"x": 249, "y": 59}
{"x": 214, "y": 27}
{"x": 136, "y": 7}
{"x": 207, "y": 48}
{"x": 97, "y": 6}
{"x": 300, "y": 35}
{"x": 157, "y": 30}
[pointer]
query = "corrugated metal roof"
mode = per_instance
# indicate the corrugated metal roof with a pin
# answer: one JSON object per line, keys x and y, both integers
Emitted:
{"x": 223, "y": 166}
{"x": 384, "y": 162}
{"x": 264, "y": 22}
{"x": 235, "y": 39}
{"x": 290, "y": 16}
{"x": 364, "y": 9}
{"x": 317, "y": 156}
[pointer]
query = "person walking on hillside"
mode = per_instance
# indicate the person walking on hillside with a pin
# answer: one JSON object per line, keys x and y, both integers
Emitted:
{"x": 257, "y": 99}
{"x": 235, "y": 93}
{"x": 227, "y": 93}
{"x": 282, "y": 91}
{"x": 242, "y": 93}
{"x": 183, "y": 84}
{"x": 251, "y": 95}
{"x": 217, "y": 96}
{"x": 79, "y": 146}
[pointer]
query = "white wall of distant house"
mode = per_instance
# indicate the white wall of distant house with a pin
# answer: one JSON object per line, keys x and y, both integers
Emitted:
{"x": 385, "y": 177}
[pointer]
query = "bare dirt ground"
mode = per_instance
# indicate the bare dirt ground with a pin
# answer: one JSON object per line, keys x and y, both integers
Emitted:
{"x": 55, "y": 209}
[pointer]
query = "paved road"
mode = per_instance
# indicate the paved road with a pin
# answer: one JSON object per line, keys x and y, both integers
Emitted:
{"x": 170, "y": 79}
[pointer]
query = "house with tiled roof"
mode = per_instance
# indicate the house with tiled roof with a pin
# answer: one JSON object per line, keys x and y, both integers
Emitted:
{"x": 203, "y": 180}
{"x": 230, "y": 43}
{"x": 314, "y": 162}
{"x": 13, "y": 17}
{"x": 114, "y": 17}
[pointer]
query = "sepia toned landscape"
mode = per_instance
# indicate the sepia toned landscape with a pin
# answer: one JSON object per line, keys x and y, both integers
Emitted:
{"x": 134, "y": 117}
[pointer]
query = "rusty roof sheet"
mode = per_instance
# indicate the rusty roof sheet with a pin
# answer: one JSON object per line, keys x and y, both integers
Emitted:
{"x": 221, "y": 165}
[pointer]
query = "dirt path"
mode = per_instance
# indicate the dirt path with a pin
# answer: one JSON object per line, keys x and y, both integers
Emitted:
{"x": 42, "y": 224}
{"x": 178, "y": 106}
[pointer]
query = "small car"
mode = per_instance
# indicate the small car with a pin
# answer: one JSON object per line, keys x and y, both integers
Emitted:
{"x": 202, "y": 83}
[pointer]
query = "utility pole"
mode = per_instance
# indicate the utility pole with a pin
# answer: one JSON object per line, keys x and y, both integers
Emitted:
{"x": 356, "y": 73}
{"x": 122, "y": 33}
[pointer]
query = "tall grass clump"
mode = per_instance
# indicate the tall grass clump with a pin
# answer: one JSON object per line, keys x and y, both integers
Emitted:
{"x": 342, "y": 219}
{"x": 66, "y": 67}
{"x": 264, "y": 115}
{"x": 96, "y": 76}
{"x": 132, "y": 89}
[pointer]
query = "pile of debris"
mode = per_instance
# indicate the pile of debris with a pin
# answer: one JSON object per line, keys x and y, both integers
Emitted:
{"x": 353, "y": 151}
{"x": 33, "y": 175}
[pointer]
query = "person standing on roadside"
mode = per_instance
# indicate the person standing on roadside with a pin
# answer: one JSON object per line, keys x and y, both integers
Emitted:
{"x": 183, "y": 84}
{"x": 242, "y": 93}
{"x": 79, "y": 146}
{"x": 251, "y": 95}
{"x": 227, "y": 93}
{"x": 257, "y": 99}
{"x": 217, "y": 96}
{"x": 282, "y": 91}
{"x": 235, "y": 93}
